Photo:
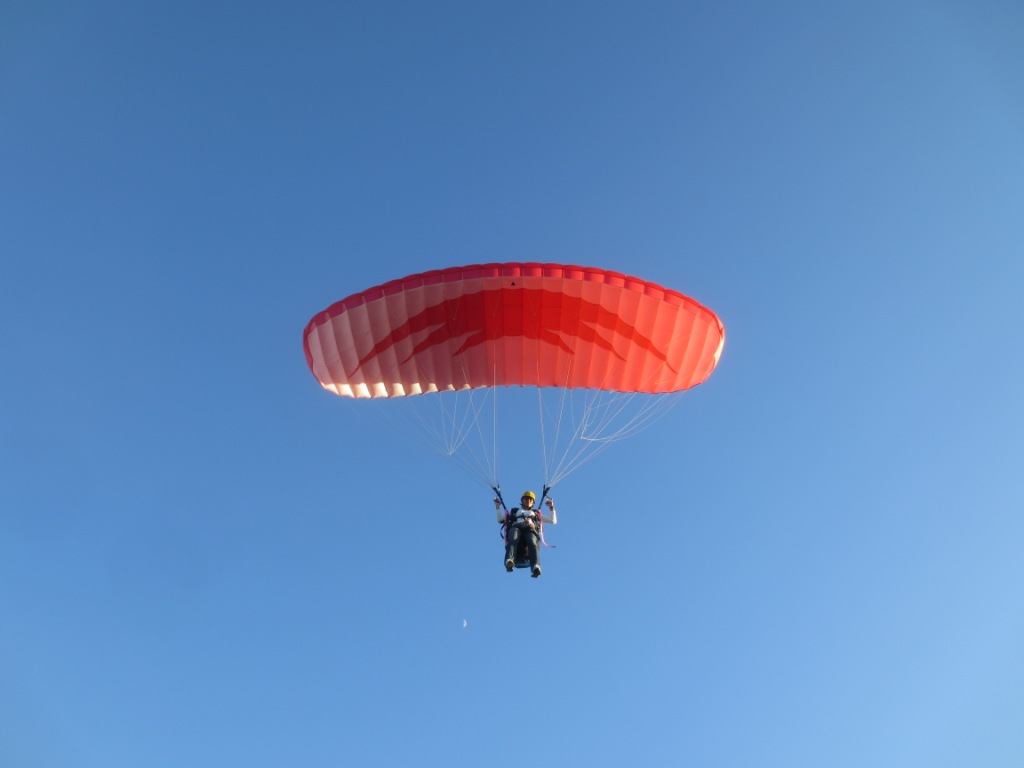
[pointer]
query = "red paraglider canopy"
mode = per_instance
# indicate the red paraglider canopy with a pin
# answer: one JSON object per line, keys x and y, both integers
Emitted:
{"x": 544, "y": 325}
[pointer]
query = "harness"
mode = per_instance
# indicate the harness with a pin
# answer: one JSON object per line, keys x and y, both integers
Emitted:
{"x": 510, "y": 514}
{"x": 519, "y": 516}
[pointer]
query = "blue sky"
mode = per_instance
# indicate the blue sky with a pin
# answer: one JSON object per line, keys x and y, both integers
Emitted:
{"x": 813, "y": 559}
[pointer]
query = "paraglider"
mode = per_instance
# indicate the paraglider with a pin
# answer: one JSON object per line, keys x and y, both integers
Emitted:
{"x": 522, "y": 528}
{"x": 602, "y": 351}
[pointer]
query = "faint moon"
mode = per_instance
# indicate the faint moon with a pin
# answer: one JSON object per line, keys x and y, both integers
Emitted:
{"x": 465, "y": 623}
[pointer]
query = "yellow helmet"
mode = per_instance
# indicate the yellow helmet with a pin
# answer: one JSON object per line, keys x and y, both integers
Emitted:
{"x": 529, "y": 495}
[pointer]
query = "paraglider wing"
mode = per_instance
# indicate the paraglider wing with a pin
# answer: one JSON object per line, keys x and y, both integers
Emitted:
{"x": 543, "y": 325}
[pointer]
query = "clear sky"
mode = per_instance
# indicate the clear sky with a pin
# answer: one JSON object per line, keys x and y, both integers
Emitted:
{"x": 814, "y": 559}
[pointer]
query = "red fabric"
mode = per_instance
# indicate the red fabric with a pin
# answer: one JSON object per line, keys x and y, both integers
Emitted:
{"x": 488, "y": 325}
